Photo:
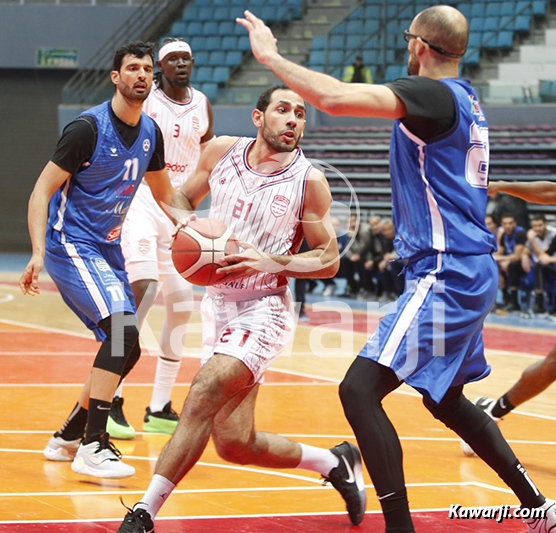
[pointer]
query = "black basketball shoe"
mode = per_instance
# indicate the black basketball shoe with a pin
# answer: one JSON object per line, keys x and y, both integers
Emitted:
{"x": 138, "y": 521}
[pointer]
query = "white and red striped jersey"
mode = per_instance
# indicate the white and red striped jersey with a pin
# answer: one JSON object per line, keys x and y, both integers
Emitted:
{"x": 182, "y": 124}
{"x": 262, "y": 209}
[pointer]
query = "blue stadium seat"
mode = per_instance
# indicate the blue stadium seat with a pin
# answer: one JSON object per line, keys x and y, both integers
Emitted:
{"x": 205, "y": 13}
{"x": 217, "y": 3}
{"x": 217, "y": 58}
{"x": 229, "y": 42}
{"x": 191, "y": 12}
{"x": 210, "y": 90}
{"x": 336, "y": 42}
{"x": 226, "y": 28}
{"x": 336, "y": 57}
{"x": 213, "y": 42}
{"x": 506, "y": 23}
{"x": 201, "y": 58}
{"x": 374, "y": 43}
{"x": 370, "y": 57}
{"x": 221, "y": 14}
{"x": 295, "y": 6}
{"x": 355, "y": 26}
{"x": 477, "y": 10}
{"x": 539, "y": 8}
{"x": 491, "y": 24}
{"x": 221, "y": 75}
{"x": 178, "y": 28}
{"x": 522, "y": 24}
{"x": 210, "y": 28}
{"x": 493, "y": 9}
{"x": 354, "y": 41}
{"x": 392, "y": 72}
{"x": 465, "y": 9}
{"x": 523, "y": 8}
{"x": 204, "y": 74}
{"x": 505, "y": 40}
{"x": 233, "y": 58}
{"x": 319, "y": 42}
{"x": 508, "y": 8}
{"x": 198, "y": 42}
{"x": 475, "y": 39}
{"x": 243, "y": 43}
{"x": 371, "y": 26}
{"x": 238, "y": 29}
{"x": 317, "y": 57}
{"x": 194, "y": 28}
{"x": 490, "y": 40}
{"x": 340, "y": 28}
{"x": 373, "y": 12}
{"x": 356, "y": 14}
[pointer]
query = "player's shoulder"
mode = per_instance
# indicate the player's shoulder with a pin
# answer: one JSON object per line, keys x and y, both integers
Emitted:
{"x": 218, "y": 148}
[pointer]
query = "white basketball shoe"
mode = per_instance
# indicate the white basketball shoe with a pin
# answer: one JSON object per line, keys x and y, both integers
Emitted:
{"x": 59, "y": 449}
{"x": 546, "y": 524}
{"x": 100, "y": 458}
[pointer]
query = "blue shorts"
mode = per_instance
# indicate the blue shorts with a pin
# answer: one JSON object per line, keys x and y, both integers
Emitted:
{"x": 90, "y": 277}
{"x": 432, "y": 336}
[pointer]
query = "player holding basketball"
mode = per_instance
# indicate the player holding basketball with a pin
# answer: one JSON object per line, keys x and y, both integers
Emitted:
{"x": 76, "y": 212}
{"x": 269, "y": 195}
{"x": 540, "y": 375}
{"x": 184, "y": 116}
{"x": 432, "y": 340}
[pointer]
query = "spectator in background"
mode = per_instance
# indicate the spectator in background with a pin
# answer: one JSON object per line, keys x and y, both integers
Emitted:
{"x": 499, "y": 204}
{"x": 492, "y": 225}
{"x": 357, "y": 72}
{"x": 511, "y": 246}
{"x": 371, "y": 255}
{"x": 391, "y": 283}
{"x": 330, "y": 286}
{"x": 539, "y": 240}
{"x": 349, "y": 263}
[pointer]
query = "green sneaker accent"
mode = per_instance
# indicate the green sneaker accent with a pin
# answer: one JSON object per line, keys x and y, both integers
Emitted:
{"x": 118, "y": 426}
{"x": 165, "y": 421}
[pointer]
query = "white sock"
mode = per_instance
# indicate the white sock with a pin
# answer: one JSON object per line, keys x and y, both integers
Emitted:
{"x": 166, "y": 373}
{"x": 317, "y": 459}
{"x": 157, "y": 493}
{"x": 119, "y": 390}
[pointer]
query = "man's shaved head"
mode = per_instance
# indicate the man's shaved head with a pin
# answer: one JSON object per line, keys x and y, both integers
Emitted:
{"x": 443, "y": 26}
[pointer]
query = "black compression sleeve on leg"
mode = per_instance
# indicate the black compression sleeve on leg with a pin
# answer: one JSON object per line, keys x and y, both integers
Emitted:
{"x": 121, "y": 336}
{"x": 476, "y": 428}
{"x": 132, "y": 360}
{"x": 362, "y": 390}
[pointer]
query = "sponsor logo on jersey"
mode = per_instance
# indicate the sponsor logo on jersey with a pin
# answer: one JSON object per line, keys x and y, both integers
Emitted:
{"x": 222, "y": 181}
{"x": 144, "y": 246}
{"x": 119, "y": 208}
{"x": 279, "y": 206}
{"x": 195, "y": 123}
{"x": 113, "y": 152}
{"x": 146, "y": 145}
{"x": 106, "y": 274}
{"x": 176, "y": 167}
{"x": 476, "y": 108}
{"x": 112, "y": 236}
{"x": 123, "y": 189}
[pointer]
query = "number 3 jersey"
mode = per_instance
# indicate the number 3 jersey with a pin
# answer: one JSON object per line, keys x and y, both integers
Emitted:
{"x": 439, "y": 190}
{"x": 262, "y": 209}
{"x": 92, "y": 204}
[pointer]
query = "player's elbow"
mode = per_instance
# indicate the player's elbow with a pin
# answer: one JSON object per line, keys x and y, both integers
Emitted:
{"x": 331, "y": 268}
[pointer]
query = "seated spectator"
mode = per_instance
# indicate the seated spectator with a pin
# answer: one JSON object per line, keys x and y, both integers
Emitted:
{"x": 539, "y": 238}
{"x": 546, "y": 265}
{"x": 330, "y": 286}
{"x": 492, "y": 225}
{"x": 357, "y": 72}
{"x": 391, "y": 281}
{"x": 511, "y": 247}
{"x": 499, "y": 204}
{"x": 349, "y": 263}
{"x": 370, "y": 257}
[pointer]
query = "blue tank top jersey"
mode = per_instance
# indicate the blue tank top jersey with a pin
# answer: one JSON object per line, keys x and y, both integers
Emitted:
{"x": 92, "y": 204}
{"x": 439, "y": 190}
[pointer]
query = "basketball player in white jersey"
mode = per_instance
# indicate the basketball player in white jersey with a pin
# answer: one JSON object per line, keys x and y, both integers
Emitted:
{"x": 184, "y": 116}
{"x": 271, "y": 197}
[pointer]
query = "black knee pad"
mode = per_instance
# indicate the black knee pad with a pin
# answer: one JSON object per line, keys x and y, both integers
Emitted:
{"x": 132, "y": 359}
{"x": 122, "y": 334}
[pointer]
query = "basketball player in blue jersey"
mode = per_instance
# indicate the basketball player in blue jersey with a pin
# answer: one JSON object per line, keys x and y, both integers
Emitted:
{"x": 439, "y": 161}
{"x": 76, "y": 212}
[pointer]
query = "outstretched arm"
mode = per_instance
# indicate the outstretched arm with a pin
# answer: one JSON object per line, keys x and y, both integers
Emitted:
{"x": 322, "y": 91}
{"x": 539, "y": 192}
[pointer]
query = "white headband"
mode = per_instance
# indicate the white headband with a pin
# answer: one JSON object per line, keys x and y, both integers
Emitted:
{"x": 174, "y": 46}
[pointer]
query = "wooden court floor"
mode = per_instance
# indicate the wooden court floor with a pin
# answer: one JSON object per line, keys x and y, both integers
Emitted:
{"x": 46, "y": 354}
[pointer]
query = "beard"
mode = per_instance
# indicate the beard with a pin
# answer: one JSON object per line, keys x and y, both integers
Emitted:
{"x": 412, "y": 65}
{"x": 129, "y": 93}
{"x": 275, "y": 143}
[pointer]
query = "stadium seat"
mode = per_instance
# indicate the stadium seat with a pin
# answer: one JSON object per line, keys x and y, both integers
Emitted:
{"x": 194, "y": 28}
{"x": 319, "y": 42}
{"x": 491, "y": 24}
{"x": 317, "y": 57}
{"x": 336, "y": 42}
{"x": 210, "y": 28}
{"x": 213, "y": 42}
{"x": 220, "y": 75}
{"x": 522, "y": 24}
{"x": 205, "y": 13}
{"x": 203, "y": 74}
{"x": 371, "y": 26}
{"x": 229, "y": 42}
{"x": 505, "y": 40}
{"x": 210, "y": 90}
{"x": 226, "y": 28}
{"x": 243, "y": 43}
{"x": 221, "y": 14}
{"x": 465, "y": 9}
{"x": 191, "y": 12}
{"x": 198, "y": 42}
{"x": 508, "y": 8}
{"x": 178, "y": 28}
{"x": 493, "y": 9}
{"x": 201, "y": 57}
{"x": 355, "y": 27}
{"x": 233, "y": 58}
{"x": 217, "y": 58}
{"x": 354, "y": 41}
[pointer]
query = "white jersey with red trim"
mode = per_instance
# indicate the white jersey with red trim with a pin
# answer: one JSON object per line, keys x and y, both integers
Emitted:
{"x": 182, "y": 124}
{"x": 262, "y": 209}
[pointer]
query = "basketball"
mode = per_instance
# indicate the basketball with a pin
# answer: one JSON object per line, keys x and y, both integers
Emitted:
{"x": 198, "y": 248}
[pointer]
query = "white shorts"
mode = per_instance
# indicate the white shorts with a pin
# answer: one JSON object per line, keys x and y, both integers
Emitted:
{"x": 146, "y": 239}
{"x": 253, "y": 331}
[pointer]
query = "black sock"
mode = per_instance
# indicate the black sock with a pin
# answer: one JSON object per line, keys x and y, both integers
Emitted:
{"x": 502, "y": 407}
{"x": 98, "y": 418}
{"x": 395, "y": 508}
{"x": 513, "y": 297}
{"x": 74, "y": 426}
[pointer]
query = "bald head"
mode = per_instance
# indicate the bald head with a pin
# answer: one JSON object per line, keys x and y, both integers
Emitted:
{"x": 443, "y": 26}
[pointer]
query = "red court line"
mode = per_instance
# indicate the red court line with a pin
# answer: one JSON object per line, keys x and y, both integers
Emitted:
{"x": 425, "y": 522}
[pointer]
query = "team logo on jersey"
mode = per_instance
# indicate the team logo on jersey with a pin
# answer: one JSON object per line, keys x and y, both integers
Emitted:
{"x": 113, "y": 235}
{"x": 153, "y": 115}
{"x": 279, "y": 206}
{"x": 123, "y": 189}
{"x": 105, "y": 273}
{"x": 196, "y": 123}
{"x": 476, "y": 108}
{"x": 113, "y": 152}
{"x": 144, "y": 246}
{"x": 146, "y": 145}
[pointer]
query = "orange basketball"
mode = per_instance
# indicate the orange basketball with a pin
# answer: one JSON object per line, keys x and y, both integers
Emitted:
{"x": 199, "y": 247}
